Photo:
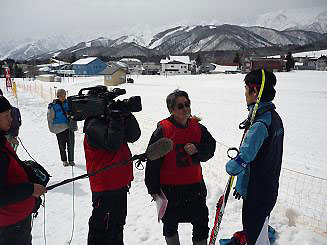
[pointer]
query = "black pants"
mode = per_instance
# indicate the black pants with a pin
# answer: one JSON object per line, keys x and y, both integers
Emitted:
{"x": 186, "y": 204}
{"x": 254, "y": 214}
{"x": 17, "y": 234}
{"x": 66, "y": 138}
{"x": 108, "y": 218}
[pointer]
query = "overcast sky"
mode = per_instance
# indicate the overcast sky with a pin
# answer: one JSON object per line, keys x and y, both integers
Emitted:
{"x": 21, "y": 18}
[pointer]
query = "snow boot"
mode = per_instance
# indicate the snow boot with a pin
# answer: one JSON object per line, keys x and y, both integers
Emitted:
{"x": 174, "y": 240}
{"x": 65, "y": 163}
{"x": 72, "y": 163}
{"x": 203, "y": 242}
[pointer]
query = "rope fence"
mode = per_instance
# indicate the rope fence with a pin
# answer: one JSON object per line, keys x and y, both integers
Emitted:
{"x": 302, "y": 198}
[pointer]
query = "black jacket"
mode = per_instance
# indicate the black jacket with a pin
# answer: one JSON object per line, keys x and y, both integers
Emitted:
{"x": 16, "y": 122}
{"x": 110, "y": 134}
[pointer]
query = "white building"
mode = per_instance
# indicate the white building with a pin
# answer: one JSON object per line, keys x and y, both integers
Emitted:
{"x": 175, "y": 65}
{"x": 134, "y": 65}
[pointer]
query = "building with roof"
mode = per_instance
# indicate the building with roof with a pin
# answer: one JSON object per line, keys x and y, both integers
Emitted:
{"x": 151, "y": 68}
{"x": 134, "y": 65}
{"x": 114, "y": 74}
{"x": 321, "y": 64}
{"x": 175, "y": 65}
{"x": 305, "y": 63}
{"x": 88, "y": 66}
{"x": 272, "y": 64}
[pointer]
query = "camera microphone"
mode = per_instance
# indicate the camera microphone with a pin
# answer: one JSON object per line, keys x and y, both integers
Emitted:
{"x": 159, "y": 149}
{"x": 156, "y": 150}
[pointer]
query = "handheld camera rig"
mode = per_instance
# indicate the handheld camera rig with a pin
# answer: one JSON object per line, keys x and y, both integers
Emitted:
{"x": 99, "y": 101}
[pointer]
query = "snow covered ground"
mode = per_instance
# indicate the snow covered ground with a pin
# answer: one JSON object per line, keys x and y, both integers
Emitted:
{"x": 219, "y": 99}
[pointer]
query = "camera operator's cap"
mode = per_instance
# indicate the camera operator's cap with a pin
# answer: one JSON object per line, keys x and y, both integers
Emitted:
{"x": 4, "y": 104}
{"x": 61, "y": 92}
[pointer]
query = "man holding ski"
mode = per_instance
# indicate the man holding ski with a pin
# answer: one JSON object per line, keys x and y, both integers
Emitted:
{"x": 258, "y": 163}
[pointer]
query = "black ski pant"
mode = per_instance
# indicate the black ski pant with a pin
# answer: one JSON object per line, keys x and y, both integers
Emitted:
{"x": 108, "y": 217}
{"x": 66, "y": 139}
{"x": 17, "y": 234}
{"x": 186, "y": 204}
{"x": 254, "y": 214}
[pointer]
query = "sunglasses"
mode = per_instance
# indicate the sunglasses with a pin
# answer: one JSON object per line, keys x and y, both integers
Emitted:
{"x": 181, "y": 106}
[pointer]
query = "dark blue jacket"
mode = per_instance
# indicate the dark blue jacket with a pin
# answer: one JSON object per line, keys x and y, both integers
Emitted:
{"x": 262, "y": 151}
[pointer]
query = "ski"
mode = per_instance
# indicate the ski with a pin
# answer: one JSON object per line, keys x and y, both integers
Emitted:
{"x": 221, "y": 204}
{"x": 220, "y": 209}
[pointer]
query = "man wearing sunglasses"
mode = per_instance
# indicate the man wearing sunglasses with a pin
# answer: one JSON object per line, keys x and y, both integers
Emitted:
{"x": 179, "y": 174}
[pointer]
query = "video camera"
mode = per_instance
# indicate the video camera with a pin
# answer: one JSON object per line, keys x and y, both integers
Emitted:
{"x": 99, "y": 101}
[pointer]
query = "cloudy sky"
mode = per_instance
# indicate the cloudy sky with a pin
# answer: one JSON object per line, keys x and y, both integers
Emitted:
{"x": 21, "y": 18}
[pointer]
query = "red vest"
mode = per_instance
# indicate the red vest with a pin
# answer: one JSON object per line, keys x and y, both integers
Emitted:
{"x": 177, "y": 167}
{"x": 13, "y": 213}
{"x": 114, "y": 178}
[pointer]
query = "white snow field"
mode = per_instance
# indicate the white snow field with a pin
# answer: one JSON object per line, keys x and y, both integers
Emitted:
{"x": 301, "y": 213}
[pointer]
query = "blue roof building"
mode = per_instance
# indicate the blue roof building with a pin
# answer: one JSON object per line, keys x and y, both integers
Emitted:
{"x": 89, "y": 66}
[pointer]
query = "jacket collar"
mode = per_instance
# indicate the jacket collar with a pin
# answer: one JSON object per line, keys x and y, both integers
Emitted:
{"x": 262, "y": 108}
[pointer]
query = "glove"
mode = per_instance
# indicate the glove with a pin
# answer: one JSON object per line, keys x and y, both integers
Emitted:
{"x": 235, "y": 166}
{"x": 243, "y": 182}
{"x": 236, "y": 194}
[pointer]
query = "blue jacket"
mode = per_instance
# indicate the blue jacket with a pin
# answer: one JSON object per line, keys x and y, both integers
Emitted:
{"x": 57, "y": 121}
{"x": 261, "y": 154}
{"x": 60, "y": 117}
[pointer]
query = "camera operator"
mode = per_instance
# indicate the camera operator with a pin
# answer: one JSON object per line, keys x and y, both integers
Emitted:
{"x": 105, "y": 143}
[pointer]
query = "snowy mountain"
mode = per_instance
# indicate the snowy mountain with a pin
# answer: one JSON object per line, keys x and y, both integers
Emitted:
{"x": 308, "y": 19}
{"x": 177, "y": 40}
{"x": 284, "y": 27}
{"x": 227, "y": 37}
{"x": 29, "y": 48}
{"x": 107, "y": 47}
{"x": 35, "y": 47}
{"x": 287, "y": 37}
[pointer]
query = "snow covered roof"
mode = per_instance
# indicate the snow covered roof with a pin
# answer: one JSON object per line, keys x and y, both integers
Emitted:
{"x": 122, "y": 64}
{"x": 221, "y": 68}
{"x": 45, "y": 69}
{"x": 184, "y": 59}
{"x": 84, "y": 61}
{"x": 112, "y": 68}
{"x": 130, "y": 59}
{"x": 59, "y": 62}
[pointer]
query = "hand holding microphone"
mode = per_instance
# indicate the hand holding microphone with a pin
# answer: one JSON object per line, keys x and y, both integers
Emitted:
{"x": 190, "y": 149}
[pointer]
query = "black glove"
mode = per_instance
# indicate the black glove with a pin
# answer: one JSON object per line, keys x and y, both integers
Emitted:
{"x": 236, "y": 194}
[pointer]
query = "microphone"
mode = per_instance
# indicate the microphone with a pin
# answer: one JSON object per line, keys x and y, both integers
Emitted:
{"x": 156, "y": 150}
{"x": 159, "y": 149}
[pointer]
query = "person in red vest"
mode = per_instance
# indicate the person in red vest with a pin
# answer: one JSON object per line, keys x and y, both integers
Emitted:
{"x": 105, "y": 143}
{"x": 179, "y": 174}
{"x": 17, "y": 195}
